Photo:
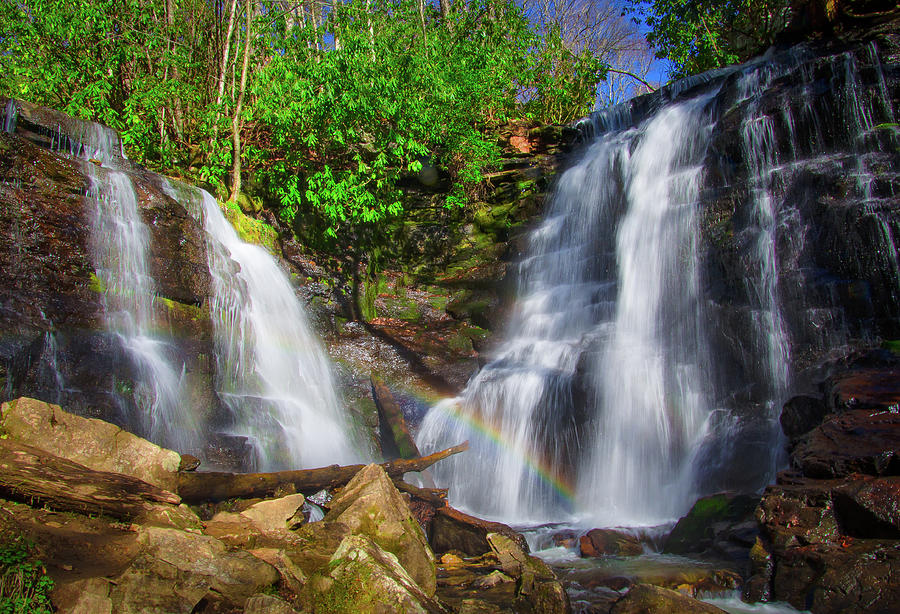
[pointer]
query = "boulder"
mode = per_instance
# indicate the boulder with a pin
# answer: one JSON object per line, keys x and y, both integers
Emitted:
{"x": 176, "y": 570}
{"x": 855, "y": 441}
{"x": 649, "y": 599}
{"x": 869, "y": 507}
{"x": 847, "y": 577}
{"x": 371, "y": 505}
{"x": 268, "y": 604}
{"x": 801, "y": 414}
{"x": 515, "y": 561}
{"x": 605, "y": 542}
{"x": 292, "y": 576}
{"x": 96, "y": 444}
{"x": 829, "y": 545}
{"x": 456, "y": 531}
{"x": 362, "y": 577}
{"x": 864, "y": 387}
{"x": 282, "y": 513}
{"x": 715, "y": 522}
{"x": 87, "y": 596}
{"x": 537, "y": 586}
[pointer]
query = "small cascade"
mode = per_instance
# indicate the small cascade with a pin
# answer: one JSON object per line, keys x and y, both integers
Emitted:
{"x": 50, "y": 376}
{"x": 273, "y": 374}
{"x": 120, "y": 243}
{"x": 10, "y": 115}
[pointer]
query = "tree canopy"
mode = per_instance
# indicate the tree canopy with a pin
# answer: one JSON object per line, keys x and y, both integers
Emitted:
{"x": 697, "y": 35}
{"x": 323, "y": 104}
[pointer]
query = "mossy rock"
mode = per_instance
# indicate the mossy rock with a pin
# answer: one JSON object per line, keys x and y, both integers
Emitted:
{"x": 892, "y": 345}
{"x": 694, "y": 532}
{"x": 401, "y": 308}
{"x": 250, "y": 229}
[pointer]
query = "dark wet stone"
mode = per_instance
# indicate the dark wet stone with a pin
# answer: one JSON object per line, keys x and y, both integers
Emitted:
{"x": 802, "y": 414}
{"x": 715, "y": 521}
{"x": 856, "y": 441}
{"x": 609, "y": 542}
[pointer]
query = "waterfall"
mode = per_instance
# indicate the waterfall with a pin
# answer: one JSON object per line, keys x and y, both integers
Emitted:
{"x": 609, "y": 289}
{"x": 273, "y": 374}
{"x": 119, "y": 246}
{"x": 629, "y": 383}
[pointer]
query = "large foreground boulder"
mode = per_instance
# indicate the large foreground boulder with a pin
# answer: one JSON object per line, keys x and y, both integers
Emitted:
{"x": 362, "y": 577}
{"x": 371, "y": 505}
{"x": 96, "y": 444}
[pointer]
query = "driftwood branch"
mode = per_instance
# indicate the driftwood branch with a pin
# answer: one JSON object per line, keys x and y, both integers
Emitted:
{"x": 200, "y": 487}
{"x": 36, "y": 477}
{"x": 637, "y": 78}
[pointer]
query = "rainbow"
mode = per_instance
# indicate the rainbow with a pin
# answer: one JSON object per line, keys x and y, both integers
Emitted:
{"x": 543, "y": 469}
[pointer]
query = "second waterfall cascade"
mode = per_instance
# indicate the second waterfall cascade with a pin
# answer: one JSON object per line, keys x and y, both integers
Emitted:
{"x": 609, "y": 286}
{"x": 273, "y": 376}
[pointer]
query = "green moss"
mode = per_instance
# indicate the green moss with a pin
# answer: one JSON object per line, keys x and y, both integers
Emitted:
{"x": 182, "y": 310}
{"x": 401, "y": 308}
{"x": 367, "y": 300}
{"x": 893, "y": 345}
{"x": 250, "y": 229}
{"x": 460, "y": 343}
{"x": 351, "y": 593}
{"x": 439, "y": 302}
{"x": 96, "y": 284}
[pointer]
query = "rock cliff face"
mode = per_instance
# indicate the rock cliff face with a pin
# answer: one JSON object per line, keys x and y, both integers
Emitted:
{"x": 54, "y": 342}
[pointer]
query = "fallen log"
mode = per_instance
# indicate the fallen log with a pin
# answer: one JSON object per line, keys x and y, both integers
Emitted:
{"x": 437, "y": 497}
{"x": 212, "y": 486}
{"x": 35, "y": 477}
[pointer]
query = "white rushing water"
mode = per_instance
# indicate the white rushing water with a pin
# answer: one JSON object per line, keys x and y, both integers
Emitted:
{"x": 273, "y": 374}
{"x": 633, "y": 378}
{"x": 610, "y": 290}
{"x": 120, "y": 241}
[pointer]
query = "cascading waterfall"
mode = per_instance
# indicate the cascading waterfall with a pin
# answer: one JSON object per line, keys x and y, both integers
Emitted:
{"x": 609, "y": 287}
{"x": 120, "y": 243}
{"x": 273, "y": 374}
{"x": 626, "y": 388}
{"x": 654, "y": 401}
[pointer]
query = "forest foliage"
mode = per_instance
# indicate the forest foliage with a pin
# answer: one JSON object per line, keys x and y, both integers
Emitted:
{"x": 323, "y": 105}
{"x": 699, "y": 35}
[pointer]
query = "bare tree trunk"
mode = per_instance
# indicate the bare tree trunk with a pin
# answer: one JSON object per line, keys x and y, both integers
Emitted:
{"x": 236, "y": 120}
{"x": 224, "y": 67}
{"x": 422, "y": 20}
{"x": 371, "y": 30}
